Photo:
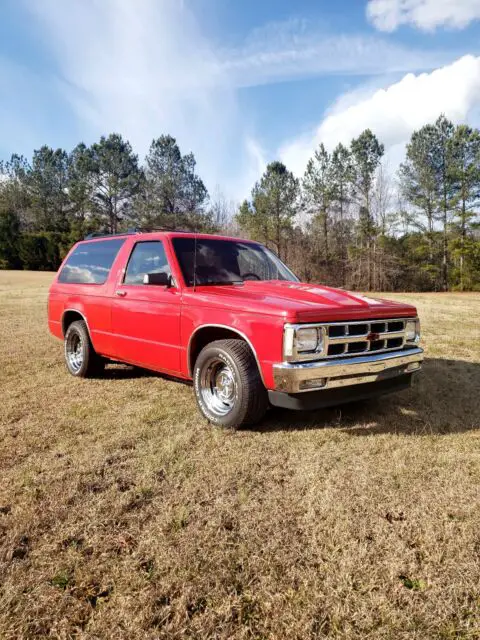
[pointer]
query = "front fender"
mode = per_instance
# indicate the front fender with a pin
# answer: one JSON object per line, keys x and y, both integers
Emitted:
{"x": 263, "y": 333}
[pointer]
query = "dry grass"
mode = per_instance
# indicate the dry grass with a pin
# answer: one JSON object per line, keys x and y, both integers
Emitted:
{"x": 124, "y": 515}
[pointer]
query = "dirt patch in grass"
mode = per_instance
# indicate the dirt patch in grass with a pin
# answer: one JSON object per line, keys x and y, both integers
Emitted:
{"x": 123, "y": 514}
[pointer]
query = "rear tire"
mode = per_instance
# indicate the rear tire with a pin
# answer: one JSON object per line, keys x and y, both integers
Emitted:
{"x": 228, "y": 387}
{"x": 80, "y": 357}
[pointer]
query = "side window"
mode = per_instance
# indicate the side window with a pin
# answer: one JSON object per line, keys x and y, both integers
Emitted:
{"x": 90, "y": 262}
{"x": 146, "y": 257}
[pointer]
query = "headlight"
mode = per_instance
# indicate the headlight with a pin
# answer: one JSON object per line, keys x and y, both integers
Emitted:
{"x": 306, "y": 340}
{"x": 412, "y": 331}
{"x": 302, "y": 343}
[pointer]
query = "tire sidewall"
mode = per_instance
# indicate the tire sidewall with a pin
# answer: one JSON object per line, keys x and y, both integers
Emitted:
{"x": 237, "y": 414}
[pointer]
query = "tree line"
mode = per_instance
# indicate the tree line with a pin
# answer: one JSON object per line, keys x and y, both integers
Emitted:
{"x": 58, "y": 198}
{"x": 346, "y": 222}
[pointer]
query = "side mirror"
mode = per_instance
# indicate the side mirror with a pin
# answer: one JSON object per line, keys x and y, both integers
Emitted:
{"x": 160, "y": 279}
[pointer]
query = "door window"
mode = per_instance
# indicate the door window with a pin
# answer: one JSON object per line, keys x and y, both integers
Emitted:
{"x": 146, "y": 257}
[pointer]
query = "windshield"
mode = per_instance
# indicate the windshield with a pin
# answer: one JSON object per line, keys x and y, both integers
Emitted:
{"x": 227, "y": 262}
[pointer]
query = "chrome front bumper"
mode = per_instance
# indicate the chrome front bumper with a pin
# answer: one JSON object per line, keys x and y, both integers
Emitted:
{"x": 330, "y": 374}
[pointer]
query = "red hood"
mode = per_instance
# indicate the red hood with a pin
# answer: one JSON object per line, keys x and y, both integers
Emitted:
{"x": 299, "y": 302}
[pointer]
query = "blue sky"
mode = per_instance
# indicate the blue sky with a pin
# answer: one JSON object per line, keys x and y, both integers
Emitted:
{"x": 237, "y": 83}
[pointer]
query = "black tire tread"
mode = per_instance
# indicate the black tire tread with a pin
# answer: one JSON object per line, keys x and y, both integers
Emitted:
{"x": 93, "y": 364}
{"x": 259, "y": 400}
{"x": 255, "y": 399}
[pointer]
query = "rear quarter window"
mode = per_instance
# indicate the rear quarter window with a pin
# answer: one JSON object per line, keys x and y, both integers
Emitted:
{"x": 90, "y": 262}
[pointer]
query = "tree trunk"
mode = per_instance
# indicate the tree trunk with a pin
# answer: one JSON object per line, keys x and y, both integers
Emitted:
{"x": 343, "y": 253}
{"x": 112, "y": 216}
{"x": 325, "y": 235}
{"x": 445, "y": 254}
{"x": 278, "y": 241}
{"x": 445, "y": 230}
{"x": 369, "y": 242}
{"x": 462, "y": 243}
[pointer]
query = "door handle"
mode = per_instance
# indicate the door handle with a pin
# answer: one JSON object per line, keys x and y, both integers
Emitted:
{"x": 120, "y": 293}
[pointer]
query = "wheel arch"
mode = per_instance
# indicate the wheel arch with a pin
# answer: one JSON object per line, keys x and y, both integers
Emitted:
{"x": 71, "y": 315}
{"x": 206, "y": 333}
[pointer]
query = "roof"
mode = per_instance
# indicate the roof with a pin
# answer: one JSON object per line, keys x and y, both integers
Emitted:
{"x": 154, "y": 235}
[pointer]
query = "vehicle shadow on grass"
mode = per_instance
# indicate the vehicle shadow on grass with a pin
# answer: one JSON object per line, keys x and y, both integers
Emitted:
{"x": 444, "y": 398}
{"x": 125, "y": 372}
{"x": 120, "y": 371}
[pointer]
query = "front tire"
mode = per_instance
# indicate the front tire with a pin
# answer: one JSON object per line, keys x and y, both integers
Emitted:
{"x": 228, "y": 387}
{"x": 80, "y": 357}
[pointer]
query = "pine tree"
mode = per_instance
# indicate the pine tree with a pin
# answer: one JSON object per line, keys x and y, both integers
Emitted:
{"x": 318, "y": 186}
{"x": 274, "y": 205}
{"x": 464, "y": 173}
{"x": 116, "y": 179}
{"x": 418, "y": 184}
{"x": 174, "y": 195}
{"x": 367, "y": 153}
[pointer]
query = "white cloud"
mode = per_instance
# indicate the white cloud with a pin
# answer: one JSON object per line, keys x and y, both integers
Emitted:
{"x": 140, "y": 68}
{"x": 297, "y": 48}
{"x": 395, "y": 112}
{"x": 388, "y": 15}
{"x": 144, "y": 67}
{"x": 256, "y": 162}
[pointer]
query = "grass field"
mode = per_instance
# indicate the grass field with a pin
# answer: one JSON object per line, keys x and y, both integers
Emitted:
{"x": 123, "y": 514}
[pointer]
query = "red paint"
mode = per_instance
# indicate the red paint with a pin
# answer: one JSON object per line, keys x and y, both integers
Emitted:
{"x": 152, "y": 326}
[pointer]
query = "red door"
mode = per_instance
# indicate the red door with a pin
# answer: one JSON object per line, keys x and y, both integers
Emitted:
{"x": 146, "y": 317}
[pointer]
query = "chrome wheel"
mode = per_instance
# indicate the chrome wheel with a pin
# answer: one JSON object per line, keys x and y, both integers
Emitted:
{"x": 218, "y": 387}
{"x": 74, "y": 352}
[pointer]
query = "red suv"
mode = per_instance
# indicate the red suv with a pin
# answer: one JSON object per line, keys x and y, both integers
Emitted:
{"x": 230, "y": 315}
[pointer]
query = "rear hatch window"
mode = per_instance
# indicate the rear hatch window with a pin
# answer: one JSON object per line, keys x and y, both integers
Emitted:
{"x": 90, "y": 262}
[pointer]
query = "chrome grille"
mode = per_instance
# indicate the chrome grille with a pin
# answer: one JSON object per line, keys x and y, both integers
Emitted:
{"x": 355, "y": 338}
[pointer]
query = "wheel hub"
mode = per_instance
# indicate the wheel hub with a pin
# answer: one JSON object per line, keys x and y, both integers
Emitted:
{"x": 74, "y": 349}
{"x": 225, "y": 384}
{"x": 218, "y": 386}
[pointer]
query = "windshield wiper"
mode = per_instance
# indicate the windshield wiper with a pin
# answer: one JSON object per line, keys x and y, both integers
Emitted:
{"x": 214, "y": 283}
